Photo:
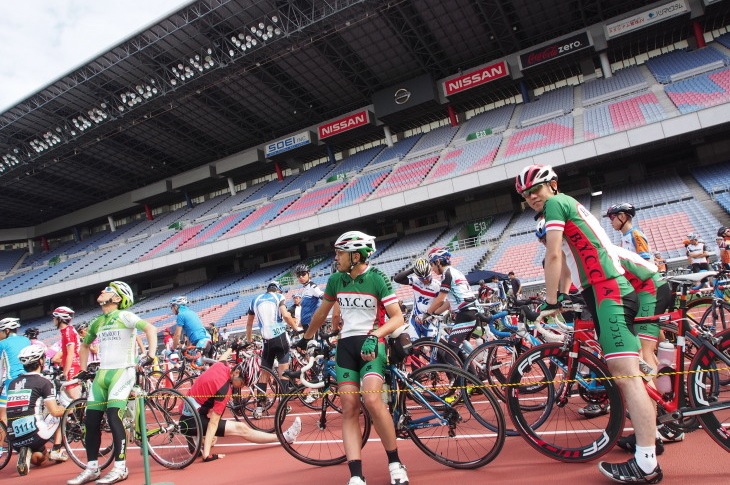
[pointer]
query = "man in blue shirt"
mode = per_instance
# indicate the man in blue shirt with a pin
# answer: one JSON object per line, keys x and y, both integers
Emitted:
{"x": 311, "y": 295}
{"x": 10, "y": 366}
{"x": 189, "y": 322}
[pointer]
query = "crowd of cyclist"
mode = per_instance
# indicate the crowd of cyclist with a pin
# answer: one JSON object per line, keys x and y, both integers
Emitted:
{"x": 581, "y": 266}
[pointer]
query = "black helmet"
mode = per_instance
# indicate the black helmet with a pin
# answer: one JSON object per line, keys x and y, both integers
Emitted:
{"x": 721, "y": 231}
{"x": 32, "y": 333}
{"x": 623, "y": 207}
{"x": 301, "y": 268}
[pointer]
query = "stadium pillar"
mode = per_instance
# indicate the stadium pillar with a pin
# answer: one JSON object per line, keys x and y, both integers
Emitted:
{"x": 31, "y": 247}
{"x": 605, "y": 65}
{"x": 77, "y": 234}
{"x": 524, "y": 91}
{"x": 330, "y": 154}
{"x": 279, "y": 173}
{"x": 148, "y": 213}
{"x": 452, "y": 115}
{"x": 699, "y": 33}
{"x": 388, "y": 135}
{"x": 188, "y": 200}
{"x": 44, "y": 244}
{"x": 231, "y": 186}
{"x": 112, "y": 226}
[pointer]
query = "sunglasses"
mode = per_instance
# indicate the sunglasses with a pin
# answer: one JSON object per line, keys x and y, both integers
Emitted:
{"x": 109, "y": 289}
{"x": 532, "y": 190}
{"x": 302, "y": 273}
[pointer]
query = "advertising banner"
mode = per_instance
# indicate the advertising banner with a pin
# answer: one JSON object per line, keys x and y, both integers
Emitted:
{"x": 474, "y": 78}
{"x": 288, "y": 143}
{"x": 346, "y": 123}
{"x": 557, "y": 49}
{"x": 404, "y": 95}
{"x": 646, "y": 18}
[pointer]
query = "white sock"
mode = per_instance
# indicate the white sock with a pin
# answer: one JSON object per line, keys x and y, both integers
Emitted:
{"x": 646, "y": 458}
{"x": 120, "y": 465}
{"x": 92, "y": 465}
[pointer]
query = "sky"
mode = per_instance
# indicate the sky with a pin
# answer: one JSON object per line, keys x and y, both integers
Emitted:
{"x": 41, "y": 40}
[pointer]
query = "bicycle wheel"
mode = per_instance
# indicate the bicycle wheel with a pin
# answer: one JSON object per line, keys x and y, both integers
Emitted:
{"x": 707, "y": 385}
{"x": 467, "y": 429}
{"x": 716, "y": 317}
{"x": 171, "y": 442}
{"x": 257, "y": 401}
{"x": 73, "y": 431}
{"x": 6, "y": 448}
{"x": 427, "y": 351}
{"x": 320, "y": 442}
{"x": 169, "y": 378}
{"x": 544, "y": 405}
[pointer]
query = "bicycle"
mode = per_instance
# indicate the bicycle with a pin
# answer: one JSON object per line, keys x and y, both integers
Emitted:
{"x": 169, "y": 443}
{"x": 447, "y": 413}
{"x": 556, "y": 429}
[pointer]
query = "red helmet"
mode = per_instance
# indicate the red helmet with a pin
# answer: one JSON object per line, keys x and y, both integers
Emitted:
{"x": 533, "y": 175}
{"x": 63, "y": 313}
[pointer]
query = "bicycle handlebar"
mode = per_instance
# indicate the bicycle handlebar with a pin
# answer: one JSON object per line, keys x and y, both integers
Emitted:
{"x": 307, "y": 366}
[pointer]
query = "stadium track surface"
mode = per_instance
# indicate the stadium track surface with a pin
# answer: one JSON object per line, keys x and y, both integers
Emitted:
{"x": 696, "y": 460}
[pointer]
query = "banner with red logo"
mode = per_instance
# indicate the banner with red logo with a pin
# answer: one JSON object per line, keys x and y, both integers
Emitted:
{"x": 472, "y": 79}
{"x": 555, "y": 50}
{"x": 646, "y": 18}
{"x": 346, "y": 123}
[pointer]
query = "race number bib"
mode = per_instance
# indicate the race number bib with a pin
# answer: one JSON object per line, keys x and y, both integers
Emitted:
{"x": 23, "y": 426}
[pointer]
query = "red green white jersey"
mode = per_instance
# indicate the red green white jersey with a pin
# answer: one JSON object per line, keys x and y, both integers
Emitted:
{"x": 589, "y": 253}
{"x": 116, "y": 331}
{"x": 637, "y": 269}
{"x": 362, "y": 300}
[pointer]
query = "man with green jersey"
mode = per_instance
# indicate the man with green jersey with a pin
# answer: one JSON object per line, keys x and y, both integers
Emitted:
{"x": 365, "y": 296}
{"x": 593, "y": 264}
{"x": 114, "y": 380}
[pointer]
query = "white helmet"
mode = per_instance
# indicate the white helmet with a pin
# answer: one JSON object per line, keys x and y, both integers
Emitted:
{"x": 356, "y": 242}
{"x": 31, "y": 353}
{"x": 179, "y": 300}
{"x": 422, "y": 268}
{"x": 9, "y": 323}
{"x": 533, "y": 175}
{"x": 125, "y": 293}
{"x": 63, "y": 313}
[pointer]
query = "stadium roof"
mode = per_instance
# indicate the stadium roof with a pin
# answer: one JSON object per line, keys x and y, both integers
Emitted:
{"x": 218, "y": 77}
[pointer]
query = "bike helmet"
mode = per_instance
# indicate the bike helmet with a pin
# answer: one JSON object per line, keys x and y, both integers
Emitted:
{"x": 721, "y": 231}
{"x": 31, "y": 353}
{"x": 533, "y": 175}
{"x": 622, "y": 208}
{"x": 82, "y": 326}
{"x": 9, "y": 323}
{"x": 301, "y": 268}
{"x": 32, "y": 333}
{"x": 179, "y": 300}
{"x": 691, "y": 236}
{"x": 275, "y": 286}
{"x": 123, "y": 290}
{"x": 356, "y": 242}
{"x": 540, "y": 231}
{"x": 63, "y": 313}
{"x": 422, "y": 268}
{"x": 439, "y": 254}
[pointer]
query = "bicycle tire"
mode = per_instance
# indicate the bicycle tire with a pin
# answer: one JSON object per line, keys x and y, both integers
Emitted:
{"x": 245, "y": 403}
{"x": 426, "y": 351}
{"x": 6, "y": 447}
{"x": 171, "y": 377}
{"x": 73, "y": 432}
{"x": 170, "y": 441}
{"x": 707, "y": 372}
{"x": 716, "y": 318}
{"x": 475, "y": 432}
{"x": 320, "y": 442}
{"x": 556, "y": 429}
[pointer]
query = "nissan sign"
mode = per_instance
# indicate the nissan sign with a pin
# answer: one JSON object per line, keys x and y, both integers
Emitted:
{"x": 288, "y": 143}
{"x": 475, "y": 78}
{"x": 349, "y": 122}
{"x": 555, "y": 50}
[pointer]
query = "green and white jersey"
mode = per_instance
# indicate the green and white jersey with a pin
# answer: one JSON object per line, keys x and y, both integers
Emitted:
{"x": 637, "y": 269}
{"x": 362, "y": 300}
{"x": 589, "y": 253}
{"x": 115, "y": 331}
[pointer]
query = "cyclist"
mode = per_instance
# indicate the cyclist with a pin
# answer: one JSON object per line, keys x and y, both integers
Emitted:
{"x": 456, "y": 290}
{"x": 622, "y": 219}
{"x": 33, "y": 413}
{"x": 189, "y": 322}
{"x": 269, "y": 309}
{"x": 210, "y": 394}
{"x": 32, "y": 334}
{"x": 10, "y": 366}
{"x": 114, "y": 380}
{"x": 311, "y": 295}
{"x": 723, "y": 246}
{"x": 425, "y": 289}
{"x": 82, "y": 329}
{"x": 70, "y": 342}
{"x": 697, "y": 253}
{"x": 365, "y": 296}
{"x": 594, "y": 266}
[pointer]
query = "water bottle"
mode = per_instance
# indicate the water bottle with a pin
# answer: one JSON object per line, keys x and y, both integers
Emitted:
{"x": 666, "y": 354}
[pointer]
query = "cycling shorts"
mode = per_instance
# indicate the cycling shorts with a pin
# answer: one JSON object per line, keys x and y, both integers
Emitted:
{"x": 420, "y": 330}
{"x": 275, "y": 348}
{"x": 187, "y": 426}
{"x": 36, "y": 440}
{"x": 111, "y": 389}
{"x": 206, "y": 346}
{"x": 465, "y": 322}
{"x": 652, "y": 301}
{"x": 351, "y": 368}
{"x": 613, "y": 304}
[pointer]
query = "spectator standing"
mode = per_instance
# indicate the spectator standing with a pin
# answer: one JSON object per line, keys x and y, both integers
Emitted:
{"x": 622, "y": 219}
{"x": 660, "y": 262}
{"x": 296, "y": 309}
{"x": 515, "y": 286}
{"x": 697, "y": 254}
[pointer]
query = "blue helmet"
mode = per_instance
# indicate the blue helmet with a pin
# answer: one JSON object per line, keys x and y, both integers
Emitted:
{"x": 274, "y": 285}
{"x": 439, "y": 254}
{"x": 540, "y": 231}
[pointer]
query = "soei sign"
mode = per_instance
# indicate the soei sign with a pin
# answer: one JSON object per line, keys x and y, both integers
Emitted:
{"x": 288, "y": 143}
{"x": 475, "y": 78}
{"x": 555, "y": 50}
